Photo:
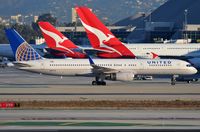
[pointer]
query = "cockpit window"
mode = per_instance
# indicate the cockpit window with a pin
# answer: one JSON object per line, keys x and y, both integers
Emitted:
{"x": 189, "y": 65}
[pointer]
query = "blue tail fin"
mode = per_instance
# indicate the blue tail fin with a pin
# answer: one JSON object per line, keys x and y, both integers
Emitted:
{"x": 21, "y": 49}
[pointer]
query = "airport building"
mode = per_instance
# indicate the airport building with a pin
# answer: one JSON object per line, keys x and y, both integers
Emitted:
{"x": 175, "y": 19}
{"x": 17, "y": 19}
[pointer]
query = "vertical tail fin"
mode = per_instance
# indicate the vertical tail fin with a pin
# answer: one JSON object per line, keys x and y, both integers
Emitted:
{"x": 97, "y": 32}
{"x": 21, "y": 49}
{"x": 99, "y": 35}
{"x": 54, "y": 38}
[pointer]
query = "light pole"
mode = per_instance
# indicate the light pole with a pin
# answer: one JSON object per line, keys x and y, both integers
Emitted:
{"x": 185, "y": 25}
{"x": 150, "y": 17}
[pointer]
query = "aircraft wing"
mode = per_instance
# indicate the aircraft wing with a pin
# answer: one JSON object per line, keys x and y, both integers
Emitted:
{"x": 90, "y": 51}
{"x": 87, "y": 50}
{"x": 99, "y": 69}
{"x": 51, "y": 50}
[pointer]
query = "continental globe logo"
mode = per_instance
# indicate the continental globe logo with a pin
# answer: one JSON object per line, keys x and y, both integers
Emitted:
{"x": 25, "y": 53}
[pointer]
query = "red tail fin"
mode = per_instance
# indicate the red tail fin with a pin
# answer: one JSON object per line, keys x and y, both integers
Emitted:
{"x": 97, "y": 32}
{"x": 99, "y": 35}
{"x": 54, "y": 38}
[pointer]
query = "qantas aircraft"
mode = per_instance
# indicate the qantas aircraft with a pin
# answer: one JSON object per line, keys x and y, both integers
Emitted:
{"x": 101, "y": 38}
{"x": 58, "y": 44}
{"x": 112, "y": 69}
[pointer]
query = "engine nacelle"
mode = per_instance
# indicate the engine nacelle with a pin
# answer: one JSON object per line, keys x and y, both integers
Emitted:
{"x": 122, "y": 76}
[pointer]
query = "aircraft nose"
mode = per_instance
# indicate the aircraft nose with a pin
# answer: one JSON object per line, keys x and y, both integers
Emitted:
{"x": 194, "y": 70}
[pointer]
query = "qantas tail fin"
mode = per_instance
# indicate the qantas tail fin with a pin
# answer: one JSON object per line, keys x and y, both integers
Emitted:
{"x": 99, "y": 35}
{"x": 97, "y": 32}
{"x": 21, "y": 49}
{"x": 54, "y": 38}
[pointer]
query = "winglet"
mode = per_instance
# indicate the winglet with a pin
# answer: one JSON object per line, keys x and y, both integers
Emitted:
{"x": 91, "y": 61}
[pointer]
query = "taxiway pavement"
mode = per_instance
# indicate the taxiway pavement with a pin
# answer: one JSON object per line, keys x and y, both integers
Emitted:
{"x": 22, "y": 85}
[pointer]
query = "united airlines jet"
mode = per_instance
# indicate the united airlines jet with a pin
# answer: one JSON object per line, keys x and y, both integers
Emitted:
{"x": 112, "y": 69}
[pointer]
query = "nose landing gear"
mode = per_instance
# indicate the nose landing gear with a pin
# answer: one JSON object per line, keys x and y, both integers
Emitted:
{"x": 173, "y": 79}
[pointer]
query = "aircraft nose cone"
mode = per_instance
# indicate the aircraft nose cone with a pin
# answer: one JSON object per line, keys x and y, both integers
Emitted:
{"x": 194, "y": 70}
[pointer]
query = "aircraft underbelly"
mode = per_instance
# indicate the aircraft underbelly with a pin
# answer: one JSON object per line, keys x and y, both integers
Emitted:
{"x": 62, "y": 72}
{"x": 163, "y": 71}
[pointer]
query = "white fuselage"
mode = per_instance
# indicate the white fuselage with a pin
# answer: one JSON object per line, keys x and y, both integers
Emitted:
{"x": 145, "y": 50}
{"x": 136, "y": 66}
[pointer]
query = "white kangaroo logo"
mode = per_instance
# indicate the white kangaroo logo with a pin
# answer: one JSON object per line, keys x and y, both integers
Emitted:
{"x": 101, "y": 36}
{"x": 57, "y": 39}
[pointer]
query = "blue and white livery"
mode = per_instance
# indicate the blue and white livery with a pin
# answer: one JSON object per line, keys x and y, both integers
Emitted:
{"x": 21, "y": 49}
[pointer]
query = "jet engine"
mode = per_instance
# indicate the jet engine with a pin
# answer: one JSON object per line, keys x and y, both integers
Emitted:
{"x": 121, "y": 76}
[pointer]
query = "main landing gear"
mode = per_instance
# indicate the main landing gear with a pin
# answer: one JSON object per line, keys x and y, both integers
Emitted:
{"x": 101, "y": 82}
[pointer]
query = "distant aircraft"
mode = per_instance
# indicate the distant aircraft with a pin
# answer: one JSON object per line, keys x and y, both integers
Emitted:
{"x": 101, "y": 38}
{"x": 112, "y": 69}
{"x": 6, "y": 51}
{"x": 58, "y": 44}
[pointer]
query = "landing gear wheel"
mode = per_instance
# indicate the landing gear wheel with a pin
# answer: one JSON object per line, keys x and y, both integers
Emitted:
{"x": 98, "y": 83}
{"x": 99, "y": 80}
{"x": 94, "y": 83}
{"x": 173, "y": 83}
{"x": 103, "y": 83}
